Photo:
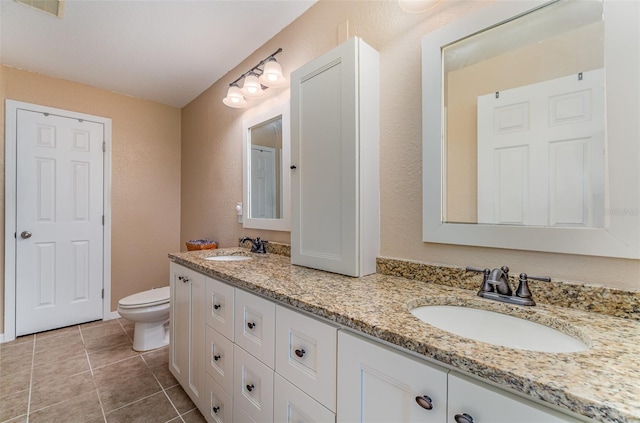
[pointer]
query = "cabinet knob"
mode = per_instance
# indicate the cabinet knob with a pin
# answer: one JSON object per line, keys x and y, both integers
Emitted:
{"x": 251, "y": 325}
{"x": 463, "y": 418}
{"x": 425, "y": 402}
{"x": 217, "y": 306}
{"x": 250, "y": 387}
{"x": 300, "y": 353}
{"x": 183, "y": 279}
{"x": 216, "y": 357}
{"x": 215, "y": 409}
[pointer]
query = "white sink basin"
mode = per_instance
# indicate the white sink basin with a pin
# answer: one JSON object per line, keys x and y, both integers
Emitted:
{"x": 498, "y": 329}
{"x": 228, "y": 258}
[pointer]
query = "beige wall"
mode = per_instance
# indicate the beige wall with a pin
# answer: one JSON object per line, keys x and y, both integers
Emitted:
{"x": 145, "y": 183}
{"x": 212, "y": 149}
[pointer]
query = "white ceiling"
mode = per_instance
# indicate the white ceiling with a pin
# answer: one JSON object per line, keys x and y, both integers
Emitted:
{"x": 167, "y": 51}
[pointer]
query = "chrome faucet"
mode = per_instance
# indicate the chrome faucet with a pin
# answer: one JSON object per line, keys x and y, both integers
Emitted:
{"x": 495, "y": 286}
{"x": 257, "y": 245}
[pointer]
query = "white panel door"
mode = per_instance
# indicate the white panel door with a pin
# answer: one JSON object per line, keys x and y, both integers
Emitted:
{"x": 541, "y": 153}
{"x": 263, "y": 182}
{"x": 59, "y": 239}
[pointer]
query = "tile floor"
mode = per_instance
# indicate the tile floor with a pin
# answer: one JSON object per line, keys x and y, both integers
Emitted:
{"x": 89, "y": 373}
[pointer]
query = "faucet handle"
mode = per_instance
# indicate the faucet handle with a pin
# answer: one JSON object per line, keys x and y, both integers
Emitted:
{"x": 523, "y": 286}
{"x": 486, "y": 272}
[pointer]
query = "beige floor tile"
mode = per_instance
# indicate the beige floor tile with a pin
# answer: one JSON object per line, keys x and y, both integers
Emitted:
{"x": 18, "y": 340}
{"x": 108, "y": 356}
{"x": 83, "y": 408}
{"x": 61, "y": 389}
{"x": 57, "y": 332}
{"x": 21, "y": 419}
{"x": 14, "y": 405}
{"x": 193, "y": 416}
{"x": 180, "y": 399}
{"x": 110, "y": 327}
{"x": 157, "y": 357}
{"x": 13, "y": 350}
{"x": 164, "y": 376}
{"x": 14, "y": 382}
{"x": 129, "y": 390}
{"x": 65, "y": 368}
{"x": 10, "y": 364}
{"x": 59, "y": 353}
{"x": 126, "y": 324}
{"x": 62, "y": 340}
{"x": 114, "y": 374}
{"x": 94, "y": 323}
{"x": 107, "y": 341}
{"x": 154, "y": 409}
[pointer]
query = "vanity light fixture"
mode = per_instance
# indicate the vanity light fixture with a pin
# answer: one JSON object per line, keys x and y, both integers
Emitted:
{"x": 417, "y": 6}
{"x": 266, "y": 74}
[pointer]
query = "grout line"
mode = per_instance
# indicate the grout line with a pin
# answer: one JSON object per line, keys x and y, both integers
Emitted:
{"x": 33, "y": 360}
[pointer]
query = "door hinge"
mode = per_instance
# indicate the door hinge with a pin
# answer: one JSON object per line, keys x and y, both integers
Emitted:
{"x": 103, "y": 293}
{"x": 104, "y": 146}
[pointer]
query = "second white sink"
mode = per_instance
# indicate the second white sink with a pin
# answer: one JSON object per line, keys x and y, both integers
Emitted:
{"x": 498, "y": 329}
{"x": 227, "y": 258}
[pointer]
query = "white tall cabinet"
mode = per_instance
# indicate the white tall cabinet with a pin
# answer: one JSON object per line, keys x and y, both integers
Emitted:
{"x": 335, "y": 161}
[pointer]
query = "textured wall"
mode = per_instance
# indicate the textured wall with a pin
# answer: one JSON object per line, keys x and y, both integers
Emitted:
{"x": 212, "y": 149}
{"x": 145, "y": 199}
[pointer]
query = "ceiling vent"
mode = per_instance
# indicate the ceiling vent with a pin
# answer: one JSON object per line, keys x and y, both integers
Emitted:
{"x": 51, "y": 7}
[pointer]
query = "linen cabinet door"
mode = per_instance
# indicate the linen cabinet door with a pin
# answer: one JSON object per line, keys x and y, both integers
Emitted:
{"x": 306, "y": 354}
{"x": 474, "y": 401}
{"x": 291, "y": 405}
{"x": 255, "y": 321}
{"x": 220, "y": 404}
{"x": 253, "y": 386}
{"x": 220, "y": 300}
{"x": 376, "y": 384}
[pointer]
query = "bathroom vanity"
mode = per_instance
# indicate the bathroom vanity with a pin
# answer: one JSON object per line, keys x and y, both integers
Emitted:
{"x": 279, "y": 342}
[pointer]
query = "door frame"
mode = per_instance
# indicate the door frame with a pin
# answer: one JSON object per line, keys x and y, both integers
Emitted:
{"x": 11, "y": 112}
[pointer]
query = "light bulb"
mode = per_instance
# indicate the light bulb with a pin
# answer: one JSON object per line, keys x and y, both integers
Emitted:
{"x": 272, "y": 75}
{"x": 251, "y": 87}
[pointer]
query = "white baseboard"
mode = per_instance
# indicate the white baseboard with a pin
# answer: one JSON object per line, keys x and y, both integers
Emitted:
{"x": 112, "y": 315}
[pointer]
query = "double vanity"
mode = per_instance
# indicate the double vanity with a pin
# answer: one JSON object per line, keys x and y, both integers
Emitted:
{"x": 259, "y": 339}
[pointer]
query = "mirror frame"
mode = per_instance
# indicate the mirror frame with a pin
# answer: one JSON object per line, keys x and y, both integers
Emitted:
{"x": 284, "y": 223}
{"x": 621, "y": 235}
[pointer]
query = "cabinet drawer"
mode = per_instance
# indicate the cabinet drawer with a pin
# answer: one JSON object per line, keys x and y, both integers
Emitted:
{"x": 253, "y": 386}
{"x": 306, "y": 354}
{"x": 291, "y": 405}
{"x": 219, "y": 359}
{"x": 484, "y": 403}
{"x": 241, "y": 416}
{"x": 255, "y": 320}
{"x": 220, "y": 307}
{"x": 219, "y": 408}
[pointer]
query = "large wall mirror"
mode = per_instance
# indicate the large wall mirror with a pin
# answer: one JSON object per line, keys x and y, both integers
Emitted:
{"x": 266, "y": 160}
{"x": 530, "y": 128}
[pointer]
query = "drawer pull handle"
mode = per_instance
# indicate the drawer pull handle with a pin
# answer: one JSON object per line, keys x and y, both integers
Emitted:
{"x": 251, "y": 325}
{"x": 216, "y": 357}
{"x": 217, "y": 306}
{"x": 300, "y": 353}
{"x": 463, "y": 418}
{"x": 216, "y": 409}
{"x": 183, "y": 279}
{"x": 426, "y": 403}
{"x": 250, "y": 387}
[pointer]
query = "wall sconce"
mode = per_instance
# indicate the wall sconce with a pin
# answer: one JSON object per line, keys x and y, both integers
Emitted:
{"x": 266, "y": 74}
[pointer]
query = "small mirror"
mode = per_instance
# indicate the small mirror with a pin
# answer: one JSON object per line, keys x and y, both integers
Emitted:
{"x": 266, "y": 170}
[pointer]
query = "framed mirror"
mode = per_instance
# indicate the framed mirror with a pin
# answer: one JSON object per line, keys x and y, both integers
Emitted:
{"x": 529, "y": 140}
{"x": 266, "y": 161}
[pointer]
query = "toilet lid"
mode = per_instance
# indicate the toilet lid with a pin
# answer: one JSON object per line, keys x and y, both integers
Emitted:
{"x": 146, "y": 298}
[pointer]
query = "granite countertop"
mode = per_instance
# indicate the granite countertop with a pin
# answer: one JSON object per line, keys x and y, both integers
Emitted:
{"x": 602, "y": 382}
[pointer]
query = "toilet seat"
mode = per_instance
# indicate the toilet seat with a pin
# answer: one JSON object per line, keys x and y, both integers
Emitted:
{"x": 148, "y": 298}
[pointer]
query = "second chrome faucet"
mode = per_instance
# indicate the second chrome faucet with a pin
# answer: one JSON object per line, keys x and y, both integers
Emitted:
{"x": 495, "y": 286}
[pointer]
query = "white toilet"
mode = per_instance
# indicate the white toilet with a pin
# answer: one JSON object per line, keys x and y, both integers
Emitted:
{"x": 150, "y": 312}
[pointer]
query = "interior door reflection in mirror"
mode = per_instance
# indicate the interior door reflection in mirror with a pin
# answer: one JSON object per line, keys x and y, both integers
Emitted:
{"x": 265, "y": 199}
{"x": 524, "y": 121}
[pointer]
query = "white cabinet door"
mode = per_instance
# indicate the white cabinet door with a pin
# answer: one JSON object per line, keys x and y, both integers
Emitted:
{"x": 376, "y": 384}
{"x": 306, "y": 354}
{"x": 219, "y": 306}
{"x": 219, "y": 359}
{"x": 187, "y": 333}
{"x": 253, "y": 386}
{"x": 484, "y": 403}
{"x": 255, "y": 322}
{"x": 291, "y": 405}
{"x": 219, "y": 404}
{"x": 334, "y": 148}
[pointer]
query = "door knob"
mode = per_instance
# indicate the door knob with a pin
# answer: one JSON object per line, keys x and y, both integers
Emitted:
{"x": 26, "y": 234}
